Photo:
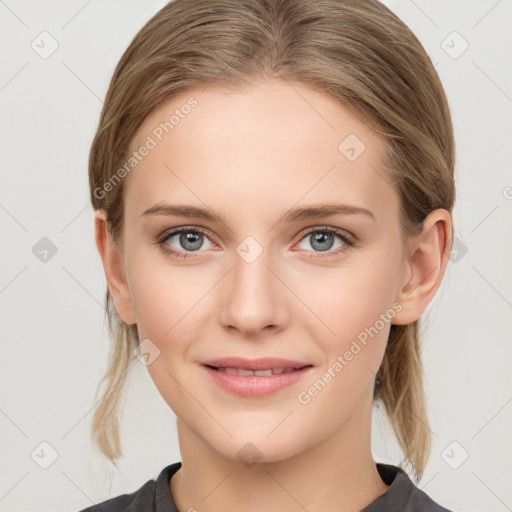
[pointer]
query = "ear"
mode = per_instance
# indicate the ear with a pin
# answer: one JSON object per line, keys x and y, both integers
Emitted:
{"x": 114, "y": 268}
{"x": 427, "y": 257}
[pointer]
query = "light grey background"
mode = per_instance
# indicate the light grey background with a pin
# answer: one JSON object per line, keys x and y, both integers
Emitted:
{"x": 54, "y": 346}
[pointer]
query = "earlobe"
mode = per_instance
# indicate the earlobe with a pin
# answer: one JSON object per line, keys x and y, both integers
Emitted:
{"x": 429, "y": 253}
{"x": 114, "y": 269}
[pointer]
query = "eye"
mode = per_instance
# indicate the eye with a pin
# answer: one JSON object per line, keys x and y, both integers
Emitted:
{"x": 188, "y": 240}
{"x": 182, "y": 242}
{"x": 323, "y": 239}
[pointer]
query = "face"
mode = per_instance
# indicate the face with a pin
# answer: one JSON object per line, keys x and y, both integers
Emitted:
{"x": 260, "y": 279}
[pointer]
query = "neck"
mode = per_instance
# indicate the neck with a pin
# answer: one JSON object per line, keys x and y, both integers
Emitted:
{"x": 337, "y": 474}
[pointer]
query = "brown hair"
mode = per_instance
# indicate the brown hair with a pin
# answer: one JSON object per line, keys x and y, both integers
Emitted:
{"x": 358, "y": 52}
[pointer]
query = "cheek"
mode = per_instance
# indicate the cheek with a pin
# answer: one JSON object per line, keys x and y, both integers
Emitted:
{"x": 353, "y": 306}
{"x": 352, "y": 295}
{"x": 167, "y": 305}
{"x": 164, "y": 297}
{"x": 356, "y": 305}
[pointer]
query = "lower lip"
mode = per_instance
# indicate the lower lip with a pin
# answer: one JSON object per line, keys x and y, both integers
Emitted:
{"x": 255, "y": 386}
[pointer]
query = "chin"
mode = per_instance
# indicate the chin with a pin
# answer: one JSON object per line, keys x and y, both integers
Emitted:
{"x": 259, "y": 450}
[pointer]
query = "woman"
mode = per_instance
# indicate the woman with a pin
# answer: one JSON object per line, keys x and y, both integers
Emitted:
{"x": 273, "y": 187}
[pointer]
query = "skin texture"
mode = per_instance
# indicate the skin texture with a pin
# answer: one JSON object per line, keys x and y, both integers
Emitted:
{"x": 250, "y": 155}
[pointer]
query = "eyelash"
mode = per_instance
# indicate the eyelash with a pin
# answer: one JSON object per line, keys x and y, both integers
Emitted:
{"x": 347, "y": 239}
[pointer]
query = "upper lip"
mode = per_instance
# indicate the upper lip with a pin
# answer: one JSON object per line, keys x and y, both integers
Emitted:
{"x": 255, "y": 364}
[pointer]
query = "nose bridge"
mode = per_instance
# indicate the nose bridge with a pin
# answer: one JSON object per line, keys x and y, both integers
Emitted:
{"x": 254, "y": 297}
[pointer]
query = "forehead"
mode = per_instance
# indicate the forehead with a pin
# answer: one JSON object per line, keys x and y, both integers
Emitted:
{"x": 274, "y": 142}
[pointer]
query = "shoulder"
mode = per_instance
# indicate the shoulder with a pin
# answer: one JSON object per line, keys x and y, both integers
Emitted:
{"x": 402, "y": 495}
{"x": 143, "y": 499}
{"x": 140, "y": 500}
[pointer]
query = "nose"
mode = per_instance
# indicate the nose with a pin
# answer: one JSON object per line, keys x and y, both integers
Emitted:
{"x": 254, "y": 299}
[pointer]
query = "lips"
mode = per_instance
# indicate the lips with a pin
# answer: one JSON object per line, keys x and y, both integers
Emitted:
{"x": 267, "y": 363}
{"x": 255, "y": 378}
{"x": 258, "y": 383}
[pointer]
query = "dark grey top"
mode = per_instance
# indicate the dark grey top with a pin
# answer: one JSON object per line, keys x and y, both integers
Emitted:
{"x": 155, "y": 496}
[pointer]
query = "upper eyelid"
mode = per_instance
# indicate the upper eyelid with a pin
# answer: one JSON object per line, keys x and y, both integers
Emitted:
{"x": 312, "y": 229}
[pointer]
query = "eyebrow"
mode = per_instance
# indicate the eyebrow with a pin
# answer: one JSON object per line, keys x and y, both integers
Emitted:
{"x": 292, "y": 215}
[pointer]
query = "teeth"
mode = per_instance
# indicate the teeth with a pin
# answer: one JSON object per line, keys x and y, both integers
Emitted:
{"x": 263, "y": 372}
{"x": 268, "y": 372}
